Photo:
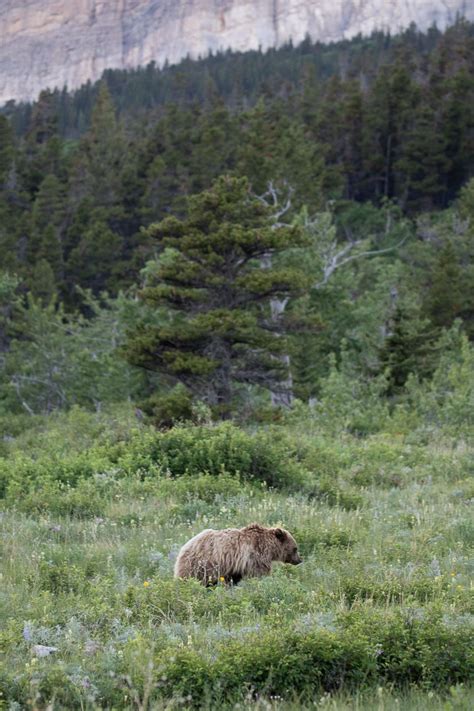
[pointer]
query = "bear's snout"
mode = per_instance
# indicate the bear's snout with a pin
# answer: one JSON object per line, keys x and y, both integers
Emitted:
{"x": 294, "y": 558}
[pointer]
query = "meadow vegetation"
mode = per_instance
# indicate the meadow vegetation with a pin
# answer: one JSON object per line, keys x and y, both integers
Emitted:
{"x": 96, "y": 506}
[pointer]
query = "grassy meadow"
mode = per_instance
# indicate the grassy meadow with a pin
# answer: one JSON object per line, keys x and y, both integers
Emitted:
{"x": 95, "y": 508}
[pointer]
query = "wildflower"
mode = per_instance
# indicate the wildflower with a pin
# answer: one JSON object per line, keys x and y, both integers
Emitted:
{"x": 222, "y": 579}
{"x": 453, "y": 574}
{"x": 27, "y": 636}
{"x": 146, "y": 583}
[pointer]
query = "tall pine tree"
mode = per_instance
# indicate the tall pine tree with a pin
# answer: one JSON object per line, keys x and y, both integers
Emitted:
{"x": 218, "y": 333}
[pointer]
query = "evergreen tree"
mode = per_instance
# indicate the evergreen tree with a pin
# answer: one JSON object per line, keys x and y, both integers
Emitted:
{"x": 44, "y": 119}
{"x": 14, "y": 203}
{"x": 90, "y": 264}
{"x": 408, "y": 349}
{"x": 51, "y": 251}
{"x": 166, "y": 163}
{"x": 101, "y": 156}
{"x": 48, "y": 223}
{"x": 43, "y": 146}
{"x": 423, "y": 164}
{"x": 466, "y": 202}
{"x": 6, "y": 149}
{"x": 9, "y": 305}
{"x": 214, "y": 146}
{"x": 274, "y": 148}
{"x": 394, "y": 99}
{"x": 49, "y": 206}
{"x": 209, "y": 276}
{"x": 43, "y": 285}
{"x": 445, "y": 298}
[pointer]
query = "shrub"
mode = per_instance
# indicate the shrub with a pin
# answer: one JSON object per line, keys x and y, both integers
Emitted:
{"x": 226, "y": 448}
{"x": 215, "y": 451}
{"x": 447, "y": 400}
{"x": 88, "y": 499}
{"x": 389, "y": 590}
{"x": 59, "y": 576}
{"x": 204, "y": 488}
{"x": 366, "y": 649}
{"x": 165, "y": 410}
{"x": 350, "y": 403}
{"x": 329, "y": 491}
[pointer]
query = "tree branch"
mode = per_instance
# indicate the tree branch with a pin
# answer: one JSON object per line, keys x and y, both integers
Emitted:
{"x": 272, "y": 200}
{"x": 337, "y": 260}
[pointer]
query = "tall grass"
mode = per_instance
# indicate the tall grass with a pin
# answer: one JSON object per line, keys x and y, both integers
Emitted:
{"x": 95, "y": 508}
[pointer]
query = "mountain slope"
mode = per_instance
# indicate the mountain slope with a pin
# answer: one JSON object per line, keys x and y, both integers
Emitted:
{"x": 53, "y": 43}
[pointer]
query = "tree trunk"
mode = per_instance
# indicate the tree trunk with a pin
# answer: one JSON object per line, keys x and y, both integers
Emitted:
{"x": 282, "y": 396}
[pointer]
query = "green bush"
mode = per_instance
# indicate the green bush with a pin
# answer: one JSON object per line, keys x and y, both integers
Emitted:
{"x": 226, "y": 448}
{"x": 446, "y": 402}
{"x": 165, "y": 410}
{"x": 390, "y": 589}
{"x": 20, "y": 472}
{"x": 366, "y": 650}
{"x": 329, "y": 491}
{"x": 348, "y": 402}
{"x": 203, "y": 488}
{"x": 216, "y": 451}
{"x": 88, "y": 499}
{"x": 59, "y": 576}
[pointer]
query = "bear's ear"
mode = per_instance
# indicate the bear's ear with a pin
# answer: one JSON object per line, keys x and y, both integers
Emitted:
{"x": 279, "y": 533}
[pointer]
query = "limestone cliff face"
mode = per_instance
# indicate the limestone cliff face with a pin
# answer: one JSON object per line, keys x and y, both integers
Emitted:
{"x": 53, "y": 43}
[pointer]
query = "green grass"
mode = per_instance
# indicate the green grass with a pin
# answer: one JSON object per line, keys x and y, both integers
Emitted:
{"x": 379, "y": 616}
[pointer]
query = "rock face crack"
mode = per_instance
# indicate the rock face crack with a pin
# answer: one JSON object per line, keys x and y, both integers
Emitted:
{"x": 57, "y": 43}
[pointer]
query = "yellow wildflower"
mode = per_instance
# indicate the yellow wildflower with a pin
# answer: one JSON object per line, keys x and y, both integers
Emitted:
{"x": 222, "y": 579}
{"x": 146, "y": 584}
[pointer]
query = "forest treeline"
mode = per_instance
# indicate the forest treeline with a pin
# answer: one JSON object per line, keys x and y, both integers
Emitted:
{"x": 365, "y": 148}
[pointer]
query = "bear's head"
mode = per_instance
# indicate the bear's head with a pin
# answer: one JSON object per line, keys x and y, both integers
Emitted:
{"x": 288, "y": 549}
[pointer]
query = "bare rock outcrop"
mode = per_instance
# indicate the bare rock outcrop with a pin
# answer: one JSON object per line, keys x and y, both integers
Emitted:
{"x": 57, "y": 43}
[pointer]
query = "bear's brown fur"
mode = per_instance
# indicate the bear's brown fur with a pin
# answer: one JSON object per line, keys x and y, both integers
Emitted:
{"x": 235, "y": 553}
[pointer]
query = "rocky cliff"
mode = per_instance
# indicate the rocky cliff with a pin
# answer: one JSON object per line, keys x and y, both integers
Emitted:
{"x": 53, "y": 43}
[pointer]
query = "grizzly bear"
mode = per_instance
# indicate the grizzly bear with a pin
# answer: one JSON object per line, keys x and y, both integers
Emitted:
{"x": 235, "y": 553}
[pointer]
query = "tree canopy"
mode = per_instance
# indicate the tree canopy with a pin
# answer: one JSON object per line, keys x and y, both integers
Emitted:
{"x": 214, "y": 278}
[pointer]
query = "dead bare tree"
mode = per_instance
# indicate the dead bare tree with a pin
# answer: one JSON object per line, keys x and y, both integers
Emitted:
{"x": 282, "y": 395}
{"x": 335, "y": 258}
{"x": 331, "y": 256}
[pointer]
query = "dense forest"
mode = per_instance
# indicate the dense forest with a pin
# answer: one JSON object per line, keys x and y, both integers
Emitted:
{"x": 357, "y": 159}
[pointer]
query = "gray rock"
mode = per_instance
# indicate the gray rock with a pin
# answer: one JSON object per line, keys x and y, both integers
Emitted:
{"x": 91, "y": 647}
{"x": 41, "y": 650}
{"x": 57, "y": 43}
